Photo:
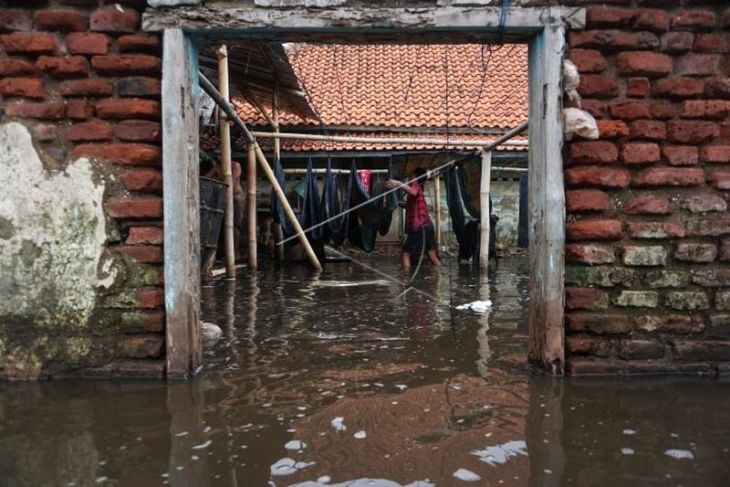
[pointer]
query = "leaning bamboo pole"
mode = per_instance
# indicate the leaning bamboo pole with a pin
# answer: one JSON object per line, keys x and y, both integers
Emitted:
{"x": 278, "y": 231}
{"x": 265, "y": 166}
{"x": 252, "y": 207}
{"x": 484, "y": 189}
{"x": 225, "y": 129}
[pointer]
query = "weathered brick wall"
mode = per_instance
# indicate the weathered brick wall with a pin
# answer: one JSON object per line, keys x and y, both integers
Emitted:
{"x": 86, "y": 82}
{"x": 648, "y": 229}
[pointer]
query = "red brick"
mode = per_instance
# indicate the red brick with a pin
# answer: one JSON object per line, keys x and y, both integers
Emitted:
{"x": 22, "y": 43}
{"x": 597, "y": 151}
{"x": 680, "y": 155}
{"x": 121, "y": 153}
{"x": 87, "y": 43}
{"x": 608, "y": 17}
{"x": 126, "y": 64}
{"x": 128, "y": 108}
{"x": 606, "y": 177}
{"x": 598, "y": 86}
{"x": 141, "y": 347}
{"x": 63, "y": 20}
{"x": 613, "y": 40}
{"x": 651, "y": 19}
{"x": 580, "y": 345}
{"x": 712, "y": 43}
{"x": 43, "y": 111}
{"x": 720, "y": 180}
{"x": 637, "y": 87}
{"x": 113, "y": 21}
{"x": 139, "y": 87}
{"x": 715, "y": 154}
{"x": 151, "y": 254}
{"x": 718, "y": 87}
{"x": 134, "y": 208}
{"x": 79, "y": 109}
{"x": 648, "y": 129}
{"x": 678, "y": 86}
{"x": 670, "y": 323}
{"x": 585, "y": 298}
{"x": 144, "y": 180}
{"x": 586, "y": 200}
{"x": 594, "y": 107}
{"x": 138, "y": 321}
{"x": 594, "y": 230}
{"x": 93, "y": 131}
{"x": 695, "y": 252}
{"x": 87, "y": 87}
{"x": 698, "y": 65}
{"x": 704, "y": 350}
{"x": 652, "y": 230}
{"x": 694, "y": 20}
{"x": 13, "y": 20}
{"x": 644, "y": 63}
{"x": 24, "y": 87}
{"x": 611, "y": 129}
{"x": 630, "y": 110}
{"x": 661, "y": 109}
{"x": 590, "y": 254}
{"x": 16, "y": 67}
{"x": 63, "y": 67}
{"x": 45, "y": 132}
{"x": 150, "y": 298}
{"x": 639, "y": 153}
{"x": 704, "y": 202}
{"x": 145, "y": 235}
{"x": 676, "y": 42}
{"x": 588, "y": 60}
{"x": 648, "y": 204}
{"x": 598, "y": 323}
{"x": 669, "y": 176}
{"x": 138, "y": 131}
{"x": 715, "y": 109}
{"x": 692, "y": 132}
{"x": 637, "y": 349}
{"x": 139, "y": 43}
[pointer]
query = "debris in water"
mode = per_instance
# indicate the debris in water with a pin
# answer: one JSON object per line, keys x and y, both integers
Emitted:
{"x": 202, "y": 445}
{"x": 295, "y": 445}
{"x": 360, "y": 435}
{"x": 629, "y": 432}
{"x": 476, "y": 306}
{"x": 99, "y": 480}
{"x": 375, "y": 282}
{"x": 288, "y": 466}
{"x": 500, "y": 454}
{"x": 338, "y": 423}
{"x": 210, "y": 332}
{"x": 401, "y": 387}
{"x": 627, "y": 451}
{"x": 466, "y": 475}
{"x": 679, "y": 454}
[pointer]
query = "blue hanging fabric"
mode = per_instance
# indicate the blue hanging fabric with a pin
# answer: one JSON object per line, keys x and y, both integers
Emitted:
{"x": 277, "y": 210}
{"x": 333, "y": 204}
{"x": 310, "y": 215}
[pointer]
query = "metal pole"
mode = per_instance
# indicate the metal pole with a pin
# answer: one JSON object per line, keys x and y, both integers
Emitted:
{"x": 225, "y": 128}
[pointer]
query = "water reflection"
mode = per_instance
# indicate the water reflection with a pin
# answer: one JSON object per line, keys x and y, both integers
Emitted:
{"x": 343, "y": 380}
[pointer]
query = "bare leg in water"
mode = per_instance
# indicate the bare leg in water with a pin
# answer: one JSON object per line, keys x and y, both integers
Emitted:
{"x": 434, "y": 258}
{"x": 405, "y": 261}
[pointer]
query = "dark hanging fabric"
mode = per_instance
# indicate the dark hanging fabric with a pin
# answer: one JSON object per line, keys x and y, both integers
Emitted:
{"x": 522, "y": 237}
{"x": 333, "y": 204}
{"x": 277, "y": 210}
{"x": 374, "y": 215}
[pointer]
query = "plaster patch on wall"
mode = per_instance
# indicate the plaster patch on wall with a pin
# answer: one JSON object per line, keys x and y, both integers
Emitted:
{"x": 53, "y": 238}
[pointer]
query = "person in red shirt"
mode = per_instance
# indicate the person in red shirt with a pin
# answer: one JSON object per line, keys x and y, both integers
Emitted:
{"x": 421, "y": 235}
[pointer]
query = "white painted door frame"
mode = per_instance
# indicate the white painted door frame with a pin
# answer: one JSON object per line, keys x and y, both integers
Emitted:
{"x": 545, "y": 28}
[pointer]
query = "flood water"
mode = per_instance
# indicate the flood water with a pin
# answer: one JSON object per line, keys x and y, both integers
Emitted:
{"x": 344, "y": 380}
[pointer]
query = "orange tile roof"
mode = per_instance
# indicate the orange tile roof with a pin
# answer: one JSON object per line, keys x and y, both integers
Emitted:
{"x": 408, "y": 86}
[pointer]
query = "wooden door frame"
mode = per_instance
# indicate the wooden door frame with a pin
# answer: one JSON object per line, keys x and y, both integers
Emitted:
{"x": 543, "y": 29}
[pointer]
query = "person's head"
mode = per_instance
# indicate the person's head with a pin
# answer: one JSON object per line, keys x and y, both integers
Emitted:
{"x": 419, "y": 172}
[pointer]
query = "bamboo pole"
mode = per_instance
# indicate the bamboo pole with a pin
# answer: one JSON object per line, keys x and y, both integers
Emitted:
{"x": 252, "y": 207}
{"x": 268, "y": 172}
{"x": 484, "y": 209}
{"x": 437, "y": 181}
{"x": 394, "y": 140}
{"x": 225, "y": 129}
{"x": 274, "y": 120}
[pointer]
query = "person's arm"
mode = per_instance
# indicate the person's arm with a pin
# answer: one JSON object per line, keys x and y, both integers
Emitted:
{"x": 392, "y": 183}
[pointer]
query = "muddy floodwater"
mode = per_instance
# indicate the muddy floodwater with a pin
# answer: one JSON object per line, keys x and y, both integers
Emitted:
{"x": 343, "y": 379}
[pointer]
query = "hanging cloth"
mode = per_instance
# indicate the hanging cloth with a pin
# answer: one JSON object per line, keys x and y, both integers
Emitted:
{"x": 375, "y": 214}
{"x": 310, "y": 213}
{"x": 332, "y": 206}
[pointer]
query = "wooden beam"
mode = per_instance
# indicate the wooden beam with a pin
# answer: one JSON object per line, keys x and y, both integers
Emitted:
{"x": 484, "y": 187}
{"x": 546, "y": 200}
{"x": 225, "y": 129}
{"x": 181, "y": 205}
{"x": 252, "y": 208}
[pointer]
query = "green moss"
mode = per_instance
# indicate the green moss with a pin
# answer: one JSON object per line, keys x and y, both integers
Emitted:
{"x": 589, "y": 276}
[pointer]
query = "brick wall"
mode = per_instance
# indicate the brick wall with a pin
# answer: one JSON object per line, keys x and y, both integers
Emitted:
{"x": 648, "y": 229}
{"x": 86, "y": 82}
